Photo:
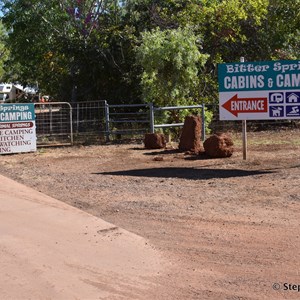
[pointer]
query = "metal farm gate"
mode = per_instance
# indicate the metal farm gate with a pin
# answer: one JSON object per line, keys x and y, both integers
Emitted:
{"x": 53, "y": 124}
{"x": 89, "y": 121}
{"x": 127, "y": 120}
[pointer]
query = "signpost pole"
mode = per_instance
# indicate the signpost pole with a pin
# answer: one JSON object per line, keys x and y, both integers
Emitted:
{"x": 244, "y": 134}
{"x": 244, "y": 130}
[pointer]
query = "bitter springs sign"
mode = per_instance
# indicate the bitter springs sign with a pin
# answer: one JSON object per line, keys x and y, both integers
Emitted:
{"x": 259, "y": 90}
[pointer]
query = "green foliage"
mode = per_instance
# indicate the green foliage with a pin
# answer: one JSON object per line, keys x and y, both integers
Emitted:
{"x": 208, "y": 119}
{"x": 164, "y": 51}
{"x": 278, "y": 36}
{"x": 3, "y": 50}
{"x": 171, "y": 61}
{"x": 69, "y": 47}
{"x": 31, "y": 39}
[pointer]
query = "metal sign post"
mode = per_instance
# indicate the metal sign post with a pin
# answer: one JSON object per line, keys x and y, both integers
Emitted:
{"x": 244, "y": 129}
{"x": 244, "y": 136}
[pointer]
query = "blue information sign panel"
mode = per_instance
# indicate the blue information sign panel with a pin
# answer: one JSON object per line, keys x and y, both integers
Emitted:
{"x": 17, "y": 128}
{"x": 259, "y": 90}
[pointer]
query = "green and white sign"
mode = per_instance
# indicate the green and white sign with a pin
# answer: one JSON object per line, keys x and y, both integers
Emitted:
{"x": 17, "y": 128}
{"x": 259, "y": 90}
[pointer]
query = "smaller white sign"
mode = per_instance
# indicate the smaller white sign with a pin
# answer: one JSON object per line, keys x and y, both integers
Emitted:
{"x": 17, "y": 128}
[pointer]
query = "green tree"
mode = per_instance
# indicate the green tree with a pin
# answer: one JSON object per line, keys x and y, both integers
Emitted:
{"x": 221, "y": 24}
{"x": 3, "y": 50}
{"x": 32, "y": 40}
{"x": 171, "y": 61}
{"x": 278, "y": 35}
{"x": 74, "y": 49}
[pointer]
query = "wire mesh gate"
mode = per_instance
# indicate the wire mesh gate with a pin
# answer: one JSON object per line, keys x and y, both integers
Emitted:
{"x": 89, "y": 121}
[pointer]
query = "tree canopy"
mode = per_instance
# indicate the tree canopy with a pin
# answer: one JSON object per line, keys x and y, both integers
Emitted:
{"x": 171, "y": 60}
{"x": 3, "y": 50}
{"x": 140, "y": 50}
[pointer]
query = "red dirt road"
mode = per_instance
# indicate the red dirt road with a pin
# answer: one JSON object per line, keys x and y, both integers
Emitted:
{"x": 229, "y": 229}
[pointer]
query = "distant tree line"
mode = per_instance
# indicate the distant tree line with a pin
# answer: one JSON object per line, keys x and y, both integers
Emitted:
{"x": 165, "y": 51}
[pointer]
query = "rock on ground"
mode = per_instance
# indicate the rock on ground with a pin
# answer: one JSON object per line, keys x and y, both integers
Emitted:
{"x": 154, "y": 141}
{"x": 219, "y": 146}
{"x": 190, "y": 139}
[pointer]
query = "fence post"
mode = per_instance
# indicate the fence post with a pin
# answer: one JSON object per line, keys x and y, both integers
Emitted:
{"x": 71, "y": 125}
{"x": 106, "y": 110}
{"x": 77, "y": 118}
{"x": 203, "y": 122}
{"x": 51, "y": 118}
{"x": 151, "y": 117}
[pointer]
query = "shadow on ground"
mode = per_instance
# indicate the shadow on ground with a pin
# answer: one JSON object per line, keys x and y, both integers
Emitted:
{"x": 166, "y": 151}
{"x": 186, "y": 154}
{"x": 186, "y": 173}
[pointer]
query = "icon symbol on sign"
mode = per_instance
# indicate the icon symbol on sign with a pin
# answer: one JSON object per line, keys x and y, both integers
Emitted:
{"x": 276, "y": 97}
{"x": 293, "y": 97}
{"x": 276, "y": 111}
{"x": 294, "y": 111}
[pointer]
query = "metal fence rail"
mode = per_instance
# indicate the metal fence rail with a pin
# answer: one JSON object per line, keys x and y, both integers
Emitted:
{"x": 154, "y": 109}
